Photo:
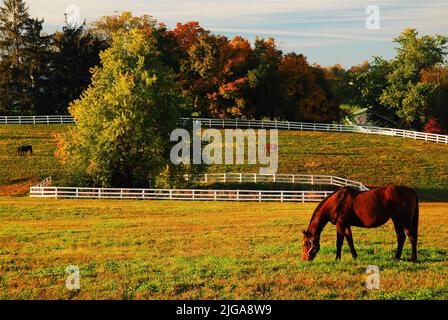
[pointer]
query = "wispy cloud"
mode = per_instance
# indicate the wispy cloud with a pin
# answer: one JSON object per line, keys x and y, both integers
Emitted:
{"x": 310, "y": 23}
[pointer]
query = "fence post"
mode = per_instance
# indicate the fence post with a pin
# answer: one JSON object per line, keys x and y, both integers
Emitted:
{"x": 77, "y": 192}
{"x": 206, "y": 178}
{"x": 281, "y": 196}
{"x": 48, "y": 119}
{"x": 56, "y": 192}
{"x": 241, "y": 177}
{"x": 259, "y": 196}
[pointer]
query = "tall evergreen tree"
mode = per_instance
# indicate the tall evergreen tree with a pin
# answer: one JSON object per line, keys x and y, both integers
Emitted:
{"x": 74, "y": 52}
{"x": 21, "y": 47}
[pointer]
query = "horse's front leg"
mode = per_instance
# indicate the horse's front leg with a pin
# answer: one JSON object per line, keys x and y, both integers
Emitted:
{"x": 349, "y": 237}
{"x": 339, "y": 240}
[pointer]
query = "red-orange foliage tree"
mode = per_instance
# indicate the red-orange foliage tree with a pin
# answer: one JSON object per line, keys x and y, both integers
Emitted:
{"x": 433, "y": 126}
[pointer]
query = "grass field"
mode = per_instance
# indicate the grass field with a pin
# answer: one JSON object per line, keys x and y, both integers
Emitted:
{"x": 372, "y": 160}
{"x": 180, "y": 250}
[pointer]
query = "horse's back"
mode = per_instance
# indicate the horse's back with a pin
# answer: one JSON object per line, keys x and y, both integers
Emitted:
{"x": 376, "y": 207}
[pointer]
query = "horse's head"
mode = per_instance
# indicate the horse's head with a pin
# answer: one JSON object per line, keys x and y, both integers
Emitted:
{"x": 310, "y": 246}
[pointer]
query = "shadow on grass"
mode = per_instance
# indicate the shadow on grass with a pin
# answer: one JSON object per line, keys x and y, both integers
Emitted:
{"x": 433, "y": 195}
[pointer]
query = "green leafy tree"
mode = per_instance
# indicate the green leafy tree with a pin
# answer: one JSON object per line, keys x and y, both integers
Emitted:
{"x": 404, "y": 93}
{"x": 124, "y": 119}
{"x": 369, "y": 83}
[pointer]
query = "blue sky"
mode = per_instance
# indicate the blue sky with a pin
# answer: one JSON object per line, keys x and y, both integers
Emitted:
{"x": 326, "y": 31}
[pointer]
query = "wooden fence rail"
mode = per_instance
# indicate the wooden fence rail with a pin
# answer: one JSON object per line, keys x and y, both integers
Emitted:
{"x": 178, "y": 194}
{"x": 275, "y": 178}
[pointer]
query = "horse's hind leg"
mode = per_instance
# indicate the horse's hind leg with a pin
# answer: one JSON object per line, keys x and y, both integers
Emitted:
{"x": 412, "y": 235}
{"x": 401, "y": 237}
{"x": 349, "y": 237}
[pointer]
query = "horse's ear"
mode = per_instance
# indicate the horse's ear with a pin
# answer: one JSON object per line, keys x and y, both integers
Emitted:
{"x": 305, "y": 233}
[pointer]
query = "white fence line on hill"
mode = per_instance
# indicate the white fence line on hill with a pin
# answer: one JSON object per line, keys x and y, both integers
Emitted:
{"x": 256, "y": 124}
{"x": 178, "y": 194}
{"x": 50, "y": 119}
{"x": 276, "y": 178}
{"x": 324, "y": 127}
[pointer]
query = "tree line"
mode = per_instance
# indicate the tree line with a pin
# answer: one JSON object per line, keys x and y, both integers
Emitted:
{"x": 220, "y": 77}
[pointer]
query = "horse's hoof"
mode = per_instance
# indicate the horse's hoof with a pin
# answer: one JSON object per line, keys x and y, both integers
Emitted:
{"x": 337, "y": 258}
{"x": 414, "y": 259}
{"x": 354, "y": 256}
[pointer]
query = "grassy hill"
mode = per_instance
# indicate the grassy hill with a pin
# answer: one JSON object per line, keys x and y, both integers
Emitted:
{"x": 372, "y": 160}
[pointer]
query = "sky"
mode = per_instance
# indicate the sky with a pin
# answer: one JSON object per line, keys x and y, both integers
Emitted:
{"x": 326, "y": 31}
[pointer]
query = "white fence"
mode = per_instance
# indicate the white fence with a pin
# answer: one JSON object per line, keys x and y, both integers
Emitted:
{"x": 276, "y": 178}
{"x": 53, "y": 119}
{"x": 324, "y": 127}
{"x": 256, "y": 124}
{"x": 179, "y": 194}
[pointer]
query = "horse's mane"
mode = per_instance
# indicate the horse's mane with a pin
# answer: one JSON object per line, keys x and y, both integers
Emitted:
{"x": 319, "y": 206}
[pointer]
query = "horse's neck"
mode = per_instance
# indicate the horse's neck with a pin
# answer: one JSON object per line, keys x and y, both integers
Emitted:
{"x": 318, "y": 223}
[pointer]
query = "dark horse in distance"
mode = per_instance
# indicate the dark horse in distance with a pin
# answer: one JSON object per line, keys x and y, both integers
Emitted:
{"x": 348, "y": 207}
{"x": 21, "y": 151}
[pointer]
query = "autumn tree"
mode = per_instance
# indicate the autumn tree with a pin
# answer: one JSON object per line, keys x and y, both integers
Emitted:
{"x": 433, "y": 126}
{"x": 124, "y": 119}
{"x": 438, "y": 76}
{"x": 106, "y": 26}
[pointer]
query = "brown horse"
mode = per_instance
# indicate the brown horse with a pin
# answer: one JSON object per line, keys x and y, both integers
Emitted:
{"x": 21, "y": 151}
{"x": 348, "y": 207}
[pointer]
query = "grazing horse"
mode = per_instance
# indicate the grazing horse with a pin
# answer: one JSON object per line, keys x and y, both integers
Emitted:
{"x": 348, "y": 207}
{"x": 21, "y": 151}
